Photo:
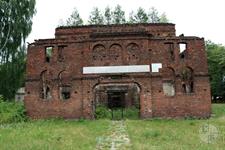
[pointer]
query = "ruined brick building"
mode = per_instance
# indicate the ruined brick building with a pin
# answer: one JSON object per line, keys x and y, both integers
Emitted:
{"x": 120, "y": 65}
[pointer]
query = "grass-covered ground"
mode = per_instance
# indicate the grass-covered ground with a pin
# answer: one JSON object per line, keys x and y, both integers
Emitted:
{"x": 144, "y": 134}
{"x": 179, "y": 134}
{"x": 52, "y": 135}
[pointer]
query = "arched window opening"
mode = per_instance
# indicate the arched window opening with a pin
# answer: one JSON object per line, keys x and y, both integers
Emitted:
{"x": 187, "y": 80}
{"x": 168, "y": 81}
{"x": 44, "y": 88}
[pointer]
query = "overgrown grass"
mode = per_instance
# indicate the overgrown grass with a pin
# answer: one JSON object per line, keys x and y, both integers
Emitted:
{"x": 181, "y": 134}
{"x": 218, "y": 110}
{"x": 52, "y": 135}
{"x": 153, "y": 134}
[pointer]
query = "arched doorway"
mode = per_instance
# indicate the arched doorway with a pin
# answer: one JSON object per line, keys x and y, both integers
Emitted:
{"x": 121, "y": 99}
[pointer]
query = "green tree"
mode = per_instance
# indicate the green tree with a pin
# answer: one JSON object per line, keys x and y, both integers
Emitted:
{"x": 163, "y": 18}
{"x": 132, "y": 17}
{"x": 216, "y": 62}
{"x": 74, "y": 19}
{"x": 118, "y": 15}
{"x": 153, "y": 15}
{"x": 15, "y": 25}
{"x": 141, "y": 16}
{"x": 108, "y": 16}
{"x": 96, "y": 17}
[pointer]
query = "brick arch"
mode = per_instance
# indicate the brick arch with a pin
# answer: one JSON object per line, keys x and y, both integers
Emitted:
{"x": 187, "y": 73}
{"x": 132, "y": 47}
{"x": 168, "y": 73}
{"x": 133, "y": 51}
{"x": 115, "y": 53}
{"x": 43, "y": 75}
{"x": 64, "y": 77}
{"x": 131, "y": 94}
{"x": 99, "y": 52}
{"x": 99, "y": 84}
{"x": 97, "y": 46}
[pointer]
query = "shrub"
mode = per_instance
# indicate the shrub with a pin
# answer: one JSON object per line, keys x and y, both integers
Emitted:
{"x": 11, "y": 112}
{"x": 131, "y": 113}
{"x": 102, "y": 112}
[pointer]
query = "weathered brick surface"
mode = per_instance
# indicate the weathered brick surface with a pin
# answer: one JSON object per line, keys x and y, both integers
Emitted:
{"x": 140, "y": 44}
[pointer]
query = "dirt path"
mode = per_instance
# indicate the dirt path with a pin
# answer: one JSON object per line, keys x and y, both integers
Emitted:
{"x": 116, "y": 139}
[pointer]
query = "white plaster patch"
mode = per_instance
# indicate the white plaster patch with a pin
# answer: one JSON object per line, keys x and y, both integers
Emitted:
{"x": 156, "y": 67}
{"x": 116, "y": 69}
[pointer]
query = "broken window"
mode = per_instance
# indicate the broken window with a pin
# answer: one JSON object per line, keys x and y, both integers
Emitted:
{"x": 168, "y": 88}
{"x": 45, "y": 93}
{"x": 60, "y": 52}
{"x": 187, "y": 80}
{"x": 170, "y": 50}
{"x": 45, "y": 90}
{"x": 65, "y": 92}
{"x": 187, "y": 88}
{"x": 48, "y": 53}
{"x": 183, "y": 48}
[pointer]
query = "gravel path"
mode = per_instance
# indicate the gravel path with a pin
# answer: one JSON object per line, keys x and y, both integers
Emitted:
{"x": 116, "y": 138}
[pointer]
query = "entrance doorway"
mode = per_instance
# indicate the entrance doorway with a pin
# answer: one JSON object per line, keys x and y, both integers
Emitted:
{"x": 117, "y": 100}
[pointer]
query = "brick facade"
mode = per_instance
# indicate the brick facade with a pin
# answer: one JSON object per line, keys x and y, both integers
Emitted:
{"x": 180, "y": 88}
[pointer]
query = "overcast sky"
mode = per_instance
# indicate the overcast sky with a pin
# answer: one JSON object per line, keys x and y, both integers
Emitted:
{"x": 202, "y": 18}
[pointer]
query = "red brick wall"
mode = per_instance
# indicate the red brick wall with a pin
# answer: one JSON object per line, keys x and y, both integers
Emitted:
{"x": 150, "y": 48}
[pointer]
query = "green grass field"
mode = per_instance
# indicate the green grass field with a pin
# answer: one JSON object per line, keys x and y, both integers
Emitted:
{"x": 144, "y": 134}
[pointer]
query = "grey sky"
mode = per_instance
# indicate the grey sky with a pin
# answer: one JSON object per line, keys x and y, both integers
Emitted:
{"x": 203, "y": 18}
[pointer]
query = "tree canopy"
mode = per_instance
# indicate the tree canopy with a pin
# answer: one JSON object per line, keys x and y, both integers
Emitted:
{"x": 117, "y": 16}
{"x": 107, "y": 15}
{"x": 216, "y": 62}
{"x": 15, "y": 26}
{"x": 139, "y": 17}
{"x": 74, "y": 19}
{"x": 96, "y": 17}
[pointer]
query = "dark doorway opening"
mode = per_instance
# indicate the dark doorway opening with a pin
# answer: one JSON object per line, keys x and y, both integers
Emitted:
{"x": 116, "y": 99}
{"x": 116, "y": 102}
